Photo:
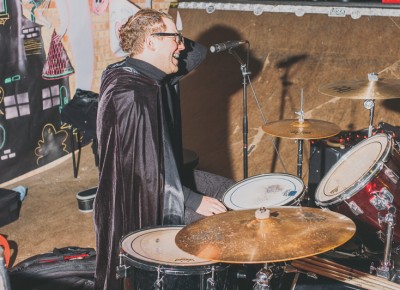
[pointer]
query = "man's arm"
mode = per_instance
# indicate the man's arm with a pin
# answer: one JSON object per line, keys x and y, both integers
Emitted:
{"x": 189, "y": 59}
{"x": 202, "y": 204}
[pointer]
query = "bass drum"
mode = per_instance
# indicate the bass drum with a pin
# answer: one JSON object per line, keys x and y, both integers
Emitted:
{"x": 363, "y": 184}
{"x": 265, "y": 190}
{"x": 156, "y": 262}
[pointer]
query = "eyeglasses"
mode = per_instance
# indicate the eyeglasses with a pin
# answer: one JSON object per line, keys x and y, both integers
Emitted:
{"x": 178, "y": 36}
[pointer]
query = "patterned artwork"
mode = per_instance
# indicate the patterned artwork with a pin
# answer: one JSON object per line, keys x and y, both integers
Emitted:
{"x": 57, "y": 64}
{"x": 37, "y": 6}
{"x": 52, "y": 143}
{"x": 32, "y": 93}
{"x": 99, "y": 6}
{"x": 4, "y": 16}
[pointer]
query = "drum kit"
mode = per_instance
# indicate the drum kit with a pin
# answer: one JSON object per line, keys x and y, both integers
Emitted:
{"x": 268, "y": 222}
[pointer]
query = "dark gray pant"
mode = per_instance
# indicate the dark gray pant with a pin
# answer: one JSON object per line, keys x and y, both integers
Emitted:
{"x": 208, "y": 184}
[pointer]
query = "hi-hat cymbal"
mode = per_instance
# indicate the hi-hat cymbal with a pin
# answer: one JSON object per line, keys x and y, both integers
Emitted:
{"x": 363, "y": 89}
{"x": 296, "y": 129}
{"x": 288, "y": 233}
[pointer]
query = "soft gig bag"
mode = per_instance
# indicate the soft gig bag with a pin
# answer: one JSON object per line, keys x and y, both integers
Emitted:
{"x": 69, "y": 268}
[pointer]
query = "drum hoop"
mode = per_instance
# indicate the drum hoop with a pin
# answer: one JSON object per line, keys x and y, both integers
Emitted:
{"x": 365, "y": 178}
{"x": 172, "y": 270}
{"x": 265, "y": 175}
{"x": 203, "y": 268}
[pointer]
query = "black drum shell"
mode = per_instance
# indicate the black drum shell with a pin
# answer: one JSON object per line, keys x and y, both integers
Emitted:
{"x": 142, "y": 277}
{"x": 143, "y": 274}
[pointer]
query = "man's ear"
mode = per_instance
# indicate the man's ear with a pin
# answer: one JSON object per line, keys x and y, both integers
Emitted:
{"x": 149, "y": 43}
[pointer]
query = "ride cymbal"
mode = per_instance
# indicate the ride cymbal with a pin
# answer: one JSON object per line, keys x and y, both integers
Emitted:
{"x": 288, "y": 233}
{"x": 296, "y": 129}
{"x": 363, "y": 89}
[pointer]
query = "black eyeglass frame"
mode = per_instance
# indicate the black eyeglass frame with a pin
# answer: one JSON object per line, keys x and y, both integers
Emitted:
{"x": 178, "y": 34}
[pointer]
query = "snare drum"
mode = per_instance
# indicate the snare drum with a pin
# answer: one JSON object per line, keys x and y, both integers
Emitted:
{"x": 156, "y": 262}
{"x": 265, "y": 190}
{"x": 364, "y": 183}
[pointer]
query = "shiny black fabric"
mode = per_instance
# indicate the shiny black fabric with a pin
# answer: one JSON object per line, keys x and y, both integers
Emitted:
{"x": 138, "y": 130}
{"x": 130, "y": 155}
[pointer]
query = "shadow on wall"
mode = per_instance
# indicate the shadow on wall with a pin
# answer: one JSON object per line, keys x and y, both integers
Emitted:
{"x": 391, "y": 104}
{"x": 210, "y": 95}
{"x": 287, "y": 66}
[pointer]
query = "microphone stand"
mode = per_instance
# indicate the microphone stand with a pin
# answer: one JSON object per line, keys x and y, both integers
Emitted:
{"x": 245, "y": 74}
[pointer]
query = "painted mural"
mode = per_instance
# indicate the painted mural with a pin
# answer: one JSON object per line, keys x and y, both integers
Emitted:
{"x": 34, "y": 87}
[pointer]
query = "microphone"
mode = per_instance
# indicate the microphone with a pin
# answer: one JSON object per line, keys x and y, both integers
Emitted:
{"x": 226, "y": 45}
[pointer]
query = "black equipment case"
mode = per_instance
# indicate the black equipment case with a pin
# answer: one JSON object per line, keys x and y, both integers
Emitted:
{"x": 10, "y": 205}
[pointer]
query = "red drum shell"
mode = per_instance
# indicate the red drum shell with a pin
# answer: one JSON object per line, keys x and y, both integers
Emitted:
{"x": 366, "y": 197}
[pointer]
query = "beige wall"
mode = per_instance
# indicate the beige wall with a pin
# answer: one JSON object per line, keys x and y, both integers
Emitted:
{"x": 287, "y": 53}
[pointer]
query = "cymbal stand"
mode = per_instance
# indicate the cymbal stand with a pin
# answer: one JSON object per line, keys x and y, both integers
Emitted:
{"x": 300, "y": 141}
{"x": 300, "y": 157}
{"x": 370, "y": 104}
{"x": 385, "y": 269}
{"x": 245, "y": 74}
{"x": 263, "y": 278}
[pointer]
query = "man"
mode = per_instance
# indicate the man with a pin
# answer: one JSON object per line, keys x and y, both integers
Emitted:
{"x": 138, "y": 132}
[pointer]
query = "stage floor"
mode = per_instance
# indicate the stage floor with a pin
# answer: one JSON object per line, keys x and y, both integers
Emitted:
{"x": 49, "y": 216}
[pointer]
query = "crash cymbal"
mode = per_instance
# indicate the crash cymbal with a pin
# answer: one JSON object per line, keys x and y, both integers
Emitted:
{"x": 363, "y": 89}
{"x": 288, "y": 233}
{"x": 296, "y": 129}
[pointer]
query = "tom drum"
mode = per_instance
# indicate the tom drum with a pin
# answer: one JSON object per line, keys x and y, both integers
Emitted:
{"x": 265, "y": 190}
{"x": 363, "y": 184}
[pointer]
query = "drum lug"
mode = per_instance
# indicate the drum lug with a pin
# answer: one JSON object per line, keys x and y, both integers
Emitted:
{"x": 158, "y": 283}
{"x": 211, "y": 285}
{"x": 263, "y": 278}
{"x": 396, "y": 250}
{"x": 391, "y": 174}
{"x": 380, "y": 234}
{"x": 123, "y": 271}
{"x": 355, "y": 209}
{"x": 382, "y": 199}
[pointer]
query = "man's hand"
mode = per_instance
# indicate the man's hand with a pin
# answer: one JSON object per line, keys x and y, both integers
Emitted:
{"x": 210, "y": 206}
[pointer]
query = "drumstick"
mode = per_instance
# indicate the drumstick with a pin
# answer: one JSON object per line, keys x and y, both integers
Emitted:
{"x": 352, "y": 272}
{"x": 358, "y": 274}
{"x": 364, "y": 277}
{"x": 340, "y": 277}
{"x": 342, "y": 268}
{"x": 362, "y": 280}
{"x": 336, "y": 276}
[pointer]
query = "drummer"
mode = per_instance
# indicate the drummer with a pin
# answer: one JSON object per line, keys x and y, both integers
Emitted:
{"x": 140, "y": 146}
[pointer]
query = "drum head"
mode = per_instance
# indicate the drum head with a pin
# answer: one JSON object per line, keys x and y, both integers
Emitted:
{"x": 265, "y": 190}
{"x": 156, "y": 246}
{"x": 353, "y": 171}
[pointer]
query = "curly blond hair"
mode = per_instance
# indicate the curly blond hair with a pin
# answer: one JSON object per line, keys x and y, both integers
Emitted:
{"x": 134, "y": 32}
